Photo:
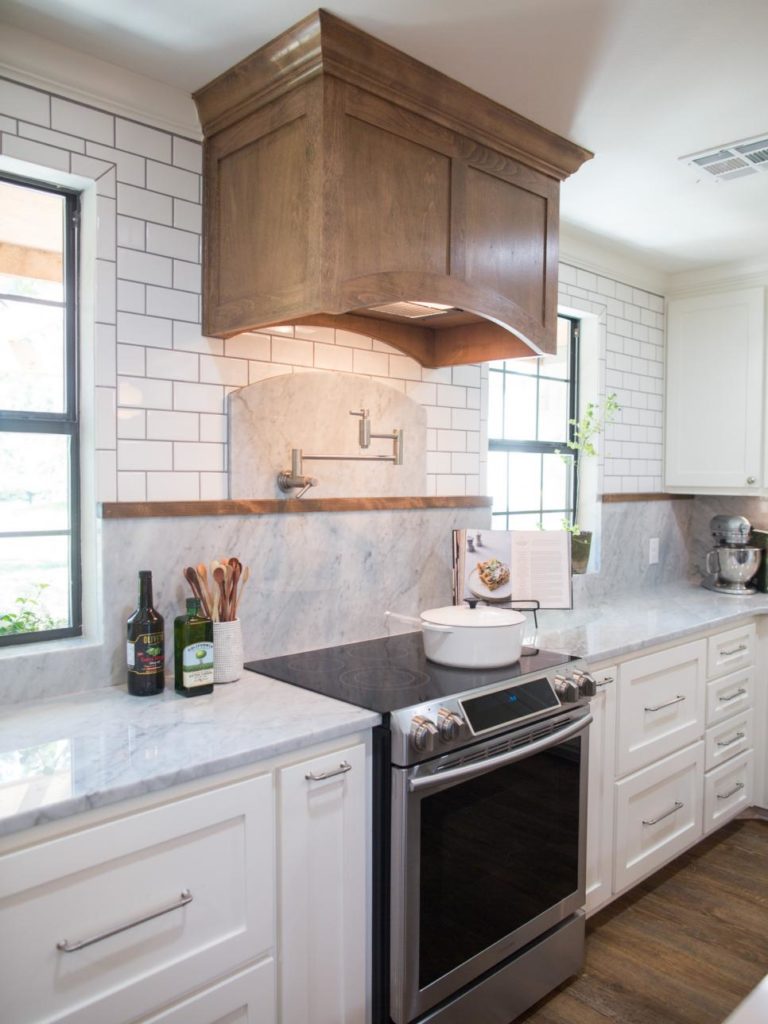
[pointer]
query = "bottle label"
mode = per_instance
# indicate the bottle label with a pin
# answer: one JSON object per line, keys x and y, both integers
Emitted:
{"x": 147, "y": 657}
{"x": 197, "y": 664}
{"x": 130, "y": 654}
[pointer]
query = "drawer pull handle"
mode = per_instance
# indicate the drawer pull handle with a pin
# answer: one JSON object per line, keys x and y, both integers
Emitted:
{"x": 739, "y": 693}
{"x": 605, "y": 682}
{"x": 666, "y": 814}
{"x": 666, "y": 704}
{"x": 736, "y": 650}
{"x": 729, "y": 743}
{"x": 343, "y": 768}
{"x": 733, "y": 792}
{"x": 69, "y": 947}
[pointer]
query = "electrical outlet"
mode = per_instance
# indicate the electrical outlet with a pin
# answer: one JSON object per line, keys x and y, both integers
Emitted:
{"x": 653, "y": 551}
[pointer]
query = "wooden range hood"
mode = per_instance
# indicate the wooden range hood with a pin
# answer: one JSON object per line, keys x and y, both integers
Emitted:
{"x": 342, "y": 176}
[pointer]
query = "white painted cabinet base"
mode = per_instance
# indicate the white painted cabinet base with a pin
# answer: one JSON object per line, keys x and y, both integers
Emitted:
{"x": 728, "y": 790}
{"x": 246, "y": 998}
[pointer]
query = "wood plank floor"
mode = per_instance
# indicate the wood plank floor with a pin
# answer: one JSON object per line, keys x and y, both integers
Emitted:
{"x": 684, "y": 947}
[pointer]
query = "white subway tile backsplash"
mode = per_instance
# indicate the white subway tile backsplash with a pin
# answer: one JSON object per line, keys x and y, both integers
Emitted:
{"x": 143, "y": 204}
{"x": 172, "y": 426}
{"x": 326, "y": 335}
{"x": 213, "y": 428}
{"x": 198, "y": 397}
{"x": 18, "y": 101}
{"x": 131, "y": 487}
{"x": 187, "y": 336}
{"x": 134, "y": 329}
{"x": 172, "y": 364}
{"x": 198, "y": 456}
{"x": 141, "y": 139}
{"x": 131, "y": 233}
{"x": 96, "y": 170}
{"x": 404, "y": 367}
{"x": 465, "y": 419}
{"x": 438, "y": 462}
{"x": 248, "y": 346}
{"x": 36, "y": 153}
{"x": 213, "y": 487}
{"x": 86, "y": 122}
{"x": 105, "y": 356}
{"x": 466, "y": 376}
{"x": 51, "y": 138}
{"x": 260, "y": 371}
{"x": 182, "y": 245}
{"x": 129, "y": 168}
{"x": 449, "y": 485}
{"x": 451, "y": 441}
{"x": 424, "y": 394}
{"x": 375, "y": 364}
{"x": 106, "y": 475}
{"x": 333, "y": 357}
{"x": 106, "y": 291}
{"x": 220, "y": 370}
{"x": 105, "y": 428}
{"x": 436, "y": 375}
{"x": 173, "y": 181}
{"x": 438, "y": 417}
{"x": 132, "y": 424}
{"x": 188, "y": 154}
{"x": 187, "y": 216}
{"x": 131, "y": 297}
{"x": 173, "y": 303}
{"x": 465, "y": 462}
{"x": 352, "y": 340}
{"x": 144, "y": 393}
{"x": 292, "y": 351}
{"x": 143, "y": 266}
{"x": 9, "y": 125}
{"x": 144, "y": 455}
{"x": 449, "y": 394}
{"x": 187, "y": 276}
{"x": 173, "y": 486}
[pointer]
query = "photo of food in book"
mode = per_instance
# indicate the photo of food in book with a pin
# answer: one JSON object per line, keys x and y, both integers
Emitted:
{"x": 499, "y": 566}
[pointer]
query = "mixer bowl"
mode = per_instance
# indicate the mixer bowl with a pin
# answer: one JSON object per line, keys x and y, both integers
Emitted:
{"x": 734, "y": 565}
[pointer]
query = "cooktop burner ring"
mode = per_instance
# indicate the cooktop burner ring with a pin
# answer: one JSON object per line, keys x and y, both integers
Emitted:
{"x": 398, "y": 678}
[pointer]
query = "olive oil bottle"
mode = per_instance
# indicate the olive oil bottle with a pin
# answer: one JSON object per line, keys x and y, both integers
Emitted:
{"x": 145, "y": 648}
{"x": 193, "y": 651}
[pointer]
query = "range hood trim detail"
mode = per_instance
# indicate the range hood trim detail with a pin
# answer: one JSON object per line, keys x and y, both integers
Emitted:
{"x": 342, "y": 175}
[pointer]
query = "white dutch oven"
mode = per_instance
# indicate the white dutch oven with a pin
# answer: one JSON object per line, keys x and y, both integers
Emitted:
{"x": 483, "y": 637}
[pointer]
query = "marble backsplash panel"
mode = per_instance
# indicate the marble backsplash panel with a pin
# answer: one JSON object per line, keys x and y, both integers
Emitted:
{"x": 316, "y": 580}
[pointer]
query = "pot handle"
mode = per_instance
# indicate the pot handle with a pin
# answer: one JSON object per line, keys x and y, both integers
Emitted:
{"x": 431, "y": 627}
{"x": 418, "y": 622}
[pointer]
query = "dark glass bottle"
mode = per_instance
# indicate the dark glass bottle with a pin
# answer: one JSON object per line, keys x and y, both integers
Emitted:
{"x": 193, "y": 651}
{"x": 146, "y": 644}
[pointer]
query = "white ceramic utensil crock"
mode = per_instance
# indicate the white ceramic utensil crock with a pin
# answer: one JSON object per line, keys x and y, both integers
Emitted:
{"x": 482, "y": 637}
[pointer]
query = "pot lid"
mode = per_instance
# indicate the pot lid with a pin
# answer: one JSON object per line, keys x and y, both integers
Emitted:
{"x": 479, "y": 618}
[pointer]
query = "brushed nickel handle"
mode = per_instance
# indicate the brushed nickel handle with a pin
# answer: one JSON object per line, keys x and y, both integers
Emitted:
{"x": 605, "y": 682}
{"x": 739, "y": 693}
{"x": 733, "y": 792}
{"x": 343, "y": 768}
{"x": 736, "y": 650}
{"x": 65, "y": 946}
{"x": 729, "y": 743}
{"x": 666, "y": 814}
{"x": 751, "y": 479}
{"x": 666, "y": 704}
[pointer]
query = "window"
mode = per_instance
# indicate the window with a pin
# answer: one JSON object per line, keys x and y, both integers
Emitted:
{"x": 530, "y": 404}
{"x": 40, "y": 594}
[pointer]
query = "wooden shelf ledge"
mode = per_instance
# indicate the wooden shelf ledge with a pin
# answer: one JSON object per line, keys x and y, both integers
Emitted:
{"x": 285, "y": 506}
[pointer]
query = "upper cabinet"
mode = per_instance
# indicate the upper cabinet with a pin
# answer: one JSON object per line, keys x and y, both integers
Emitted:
{"x": 716, "y": 389}
{"x": 348, "y": 185}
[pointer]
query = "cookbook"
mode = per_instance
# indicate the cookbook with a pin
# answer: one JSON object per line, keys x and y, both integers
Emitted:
{"x": 503, "y": 566}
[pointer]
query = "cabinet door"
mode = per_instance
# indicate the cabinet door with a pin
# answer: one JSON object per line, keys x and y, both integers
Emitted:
{"x": 714, "y": 431}
{"x": 731, "y": 650}
{"x": 661, "y": 704}
{"x": 246, "y": 998}
{"x": 600, "y": 790}
{"x": 728, "y": 790}
{"x": 323, "y": 921}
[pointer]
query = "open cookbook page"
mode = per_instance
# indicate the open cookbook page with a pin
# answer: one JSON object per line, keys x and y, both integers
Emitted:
{"x": 499, "y": 566}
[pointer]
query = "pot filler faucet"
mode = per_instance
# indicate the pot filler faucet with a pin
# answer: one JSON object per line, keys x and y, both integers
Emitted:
{"x": 295, "y": 479}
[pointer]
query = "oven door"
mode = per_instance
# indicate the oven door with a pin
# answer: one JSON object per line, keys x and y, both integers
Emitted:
{"x": 488, "y": 852}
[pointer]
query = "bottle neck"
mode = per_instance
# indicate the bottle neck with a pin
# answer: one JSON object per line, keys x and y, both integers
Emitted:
{"x": 145, "y": 591}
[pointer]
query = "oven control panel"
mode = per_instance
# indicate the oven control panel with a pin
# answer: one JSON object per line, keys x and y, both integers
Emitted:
{"x": 437, "y": 727}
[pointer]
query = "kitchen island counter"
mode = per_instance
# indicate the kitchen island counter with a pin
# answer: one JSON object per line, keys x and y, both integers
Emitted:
{"x": 67, "y": 755}
{"x": 634, "y": 620}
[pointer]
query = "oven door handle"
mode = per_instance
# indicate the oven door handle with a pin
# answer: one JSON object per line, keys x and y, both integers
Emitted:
{"x": 469, "y": 771}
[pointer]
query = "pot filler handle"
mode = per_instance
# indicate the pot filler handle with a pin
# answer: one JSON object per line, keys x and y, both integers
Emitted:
{"x": 426, "y": 782}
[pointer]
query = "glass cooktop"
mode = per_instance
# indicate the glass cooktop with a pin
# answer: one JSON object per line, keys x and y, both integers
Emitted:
{"x": 392, "y": 672}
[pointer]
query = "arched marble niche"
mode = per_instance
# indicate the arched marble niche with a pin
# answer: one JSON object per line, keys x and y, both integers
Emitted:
{"x": 311, "y": 411}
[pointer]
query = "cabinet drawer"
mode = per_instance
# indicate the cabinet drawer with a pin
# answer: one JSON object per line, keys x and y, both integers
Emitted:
{"x": 661, "y": 705}
{"x": 658, "y": 814}
{"x": 247, "y": 998}
{"x": 729, "y": 694}
{"x": 728, "y": 790}
{"x": 731, "y": 650}
{"x": 217, "y": 846}
{"x": 727, "y": 739}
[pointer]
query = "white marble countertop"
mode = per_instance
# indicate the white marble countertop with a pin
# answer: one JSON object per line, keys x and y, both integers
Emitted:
{"x": 66, "y": 755}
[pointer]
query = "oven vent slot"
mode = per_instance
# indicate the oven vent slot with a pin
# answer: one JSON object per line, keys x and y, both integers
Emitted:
{"x": 502, "y": 747}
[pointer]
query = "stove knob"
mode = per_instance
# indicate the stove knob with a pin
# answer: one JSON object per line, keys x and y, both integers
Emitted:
{"x": 449, "y": 724}
{"x": 423, "y": 732}
{"x": 586, "y": 684}
{"x": 566, "y": 689}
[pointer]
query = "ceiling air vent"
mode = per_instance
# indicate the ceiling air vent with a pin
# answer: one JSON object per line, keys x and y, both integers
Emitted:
{"x": 415, "y": 310}
{"x": 732, "y": 160}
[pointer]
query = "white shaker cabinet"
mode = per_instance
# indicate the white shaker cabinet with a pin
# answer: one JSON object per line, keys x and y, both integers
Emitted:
{"x": 715, "y": 385}
{"x": 600, "y": 788}
{"x": 322, "y": 976}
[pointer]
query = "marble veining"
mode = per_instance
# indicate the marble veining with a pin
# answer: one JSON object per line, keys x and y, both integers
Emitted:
{"x": 65, "y": 756}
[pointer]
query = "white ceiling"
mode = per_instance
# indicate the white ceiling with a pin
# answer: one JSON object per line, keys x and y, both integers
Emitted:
{"x": 639, "y": 82}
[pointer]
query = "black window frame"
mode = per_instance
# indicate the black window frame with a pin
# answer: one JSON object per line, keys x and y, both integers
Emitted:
{"x": 496, "y": 444}
{"x": 65, "y": 423}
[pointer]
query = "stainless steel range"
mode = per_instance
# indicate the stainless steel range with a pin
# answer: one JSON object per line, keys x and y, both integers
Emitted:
{"x": 479, "y": 824}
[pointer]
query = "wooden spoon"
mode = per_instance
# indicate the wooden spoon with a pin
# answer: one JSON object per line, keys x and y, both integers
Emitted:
{"x": 243, "y": 580}
{"x": 220, "y": 578}
{"x": 202, "y": 573}
{"x": 190, "y": 574}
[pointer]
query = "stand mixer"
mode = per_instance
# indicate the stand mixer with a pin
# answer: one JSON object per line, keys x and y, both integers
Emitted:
{"x": 732, "y": 563}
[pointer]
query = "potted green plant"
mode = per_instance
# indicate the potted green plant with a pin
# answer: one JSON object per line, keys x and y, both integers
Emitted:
{"x": 585, "y": 431}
